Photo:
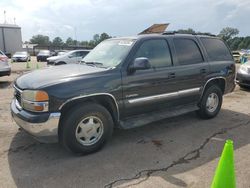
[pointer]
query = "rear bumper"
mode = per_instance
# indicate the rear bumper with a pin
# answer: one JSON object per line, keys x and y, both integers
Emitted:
{"x": 243, "y": 79}
{"x": 42, "y": 58}
{"x": 43, "y": 127}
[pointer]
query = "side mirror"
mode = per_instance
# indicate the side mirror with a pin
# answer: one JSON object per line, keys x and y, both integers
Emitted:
{"x": 70, "y": 56}
{"x": 140, "y": 63}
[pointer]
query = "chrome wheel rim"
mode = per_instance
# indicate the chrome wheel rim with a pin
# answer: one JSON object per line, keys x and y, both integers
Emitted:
{"x": 212, "y": 102}
{"x": 89, "y": 130}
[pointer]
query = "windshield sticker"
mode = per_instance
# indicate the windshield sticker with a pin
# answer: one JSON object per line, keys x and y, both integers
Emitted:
{"x": 125, "y": 43}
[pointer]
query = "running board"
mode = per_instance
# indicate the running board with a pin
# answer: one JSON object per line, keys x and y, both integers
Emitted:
{"x": 140, "y": 120}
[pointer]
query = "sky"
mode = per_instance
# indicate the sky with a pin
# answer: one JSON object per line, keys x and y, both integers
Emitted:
{"x": 81, "y": 19}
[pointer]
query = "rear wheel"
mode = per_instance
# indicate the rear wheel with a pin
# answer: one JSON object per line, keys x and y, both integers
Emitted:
{"x": 211, "y": 102}
{"x": 86, "y": 128}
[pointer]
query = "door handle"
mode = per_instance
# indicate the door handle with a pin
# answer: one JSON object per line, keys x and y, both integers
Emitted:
{"x": 203, "y": 71}
{"x": 171, "y": 75}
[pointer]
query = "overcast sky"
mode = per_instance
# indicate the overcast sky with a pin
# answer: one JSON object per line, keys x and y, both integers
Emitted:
{"x": 64, "y": 18}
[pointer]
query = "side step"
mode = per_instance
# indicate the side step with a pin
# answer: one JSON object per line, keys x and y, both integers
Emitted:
{"x": 139, "y": 120}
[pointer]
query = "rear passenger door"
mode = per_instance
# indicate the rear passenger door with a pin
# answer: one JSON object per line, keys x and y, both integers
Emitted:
{"x": 190, "y": 68}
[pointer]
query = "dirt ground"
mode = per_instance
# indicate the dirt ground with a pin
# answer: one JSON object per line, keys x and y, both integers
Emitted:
{"x": 175, "y": 152}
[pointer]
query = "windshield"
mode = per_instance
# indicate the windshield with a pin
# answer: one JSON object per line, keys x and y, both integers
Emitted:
{"x": 20, "y": 53}
{"x": 44, "y": 52}
{"x": 109, "y": 53}
{"x": 61, "y": 53}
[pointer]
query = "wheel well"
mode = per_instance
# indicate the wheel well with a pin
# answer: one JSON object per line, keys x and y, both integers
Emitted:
{"x": 219, "y": 82}
{"x": 60, "y": 63}
{"x": 106, "y": 101}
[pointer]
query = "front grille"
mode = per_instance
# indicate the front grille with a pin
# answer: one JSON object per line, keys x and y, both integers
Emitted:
{"x": 18, "y": 95}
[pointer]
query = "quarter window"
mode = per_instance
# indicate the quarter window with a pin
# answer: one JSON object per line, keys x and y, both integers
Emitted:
{"x": 216, "y": 49}
{"x": 187, "y": 51}
{"x": 157, "y": 52}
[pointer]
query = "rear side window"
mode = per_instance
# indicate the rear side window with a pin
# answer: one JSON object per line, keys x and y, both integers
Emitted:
{"x": 157, "y": 52}
{"x": 187, "y": 51}
{"x": 216, "y": 49}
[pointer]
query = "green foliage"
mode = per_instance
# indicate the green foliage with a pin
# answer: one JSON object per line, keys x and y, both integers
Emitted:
{"x": 40, "y": 40}
{"x": 228, "y": 33}
{"x": 69, "y": 41}
{"x": 57, "y": 41}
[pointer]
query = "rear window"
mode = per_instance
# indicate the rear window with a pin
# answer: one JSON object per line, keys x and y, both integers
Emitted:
{"x": 187, "y": 51}
{"x": 216, "y": 49}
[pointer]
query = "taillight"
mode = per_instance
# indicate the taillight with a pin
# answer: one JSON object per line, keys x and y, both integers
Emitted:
{"x": 3, "y": 58}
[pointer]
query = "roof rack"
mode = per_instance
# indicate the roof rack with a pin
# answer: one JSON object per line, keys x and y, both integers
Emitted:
{"x": 176, "y": 32}
{"x": 170, "y": 32}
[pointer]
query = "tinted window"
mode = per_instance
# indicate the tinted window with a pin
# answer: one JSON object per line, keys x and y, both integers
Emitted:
{"x": 216, "y": 49}
{"x": 82, "y": 53}
{"x": 157, "y": 52}
{"x": 187, "y": 51}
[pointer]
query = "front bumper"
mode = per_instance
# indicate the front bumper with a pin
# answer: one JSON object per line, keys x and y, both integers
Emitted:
{"x": 243, "y": 79}
{"x": 5, "y": 71}
{"x": 43, "y": 127}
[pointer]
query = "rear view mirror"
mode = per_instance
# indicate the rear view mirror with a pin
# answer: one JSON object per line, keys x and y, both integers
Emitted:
{"x": 140, "y": 63}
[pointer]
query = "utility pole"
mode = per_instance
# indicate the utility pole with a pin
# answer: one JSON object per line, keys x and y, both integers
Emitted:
{"x": 4, "y": 12}
{"x": 75, "y": 35}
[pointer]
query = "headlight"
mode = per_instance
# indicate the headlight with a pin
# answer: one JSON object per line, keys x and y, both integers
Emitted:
{"x": 36, "y": 101}
{"x": 244, "y": 69}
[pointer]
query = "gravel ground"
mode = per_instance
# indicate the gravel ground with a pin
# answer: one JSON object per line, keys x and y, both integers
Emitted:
{"x": 175, "y": 152}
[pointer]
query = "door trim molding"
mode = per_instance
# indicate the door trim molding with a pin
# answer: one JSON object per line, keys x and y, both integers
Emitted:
{"x": 165, "y": 95}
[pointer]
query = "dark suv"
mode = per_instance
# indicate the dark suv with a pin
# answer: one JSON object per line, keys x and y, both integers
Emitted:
{"x": 124, "y": 82}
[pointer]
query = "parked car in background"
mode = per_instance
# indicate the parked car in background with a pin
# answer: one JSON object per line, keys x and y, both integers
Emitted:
{"x": 43, "y": 55}
{"x": 4, "y": 65}
{"x": 21, "y": 56}
{"x": 61, "y": 52}
{"x": 236, "y": 56}
{"x": 74, "y": 56}
{"x": 124, "y": 83}
{"x": 243, "y": 75}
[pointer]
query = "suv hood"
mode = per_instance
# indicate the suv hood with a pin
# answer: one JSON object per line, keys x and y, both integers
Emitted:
{"x": 52, "y": 75}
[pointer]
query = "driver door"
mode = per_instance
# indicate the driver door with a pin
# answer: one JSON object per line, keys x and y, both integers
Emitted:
{"x": 152, "y": 89}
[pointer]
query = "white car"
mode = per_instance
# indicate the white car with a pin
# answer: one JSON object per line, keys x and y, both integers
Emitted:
{"x": 21, "y": 56}
{"x": 74, "y": 56}
{"x": 4, "y": 65}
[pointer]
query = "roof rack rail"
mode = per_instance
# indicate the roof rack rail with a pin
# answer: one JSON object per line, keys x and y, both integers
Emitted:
{"x": 170, "y": 32}
{"x": 177, "y": 32}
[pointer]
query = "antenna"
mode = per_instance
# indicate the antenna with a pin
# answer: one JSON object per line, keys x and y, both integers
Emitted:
{"x": 14, "y": 21}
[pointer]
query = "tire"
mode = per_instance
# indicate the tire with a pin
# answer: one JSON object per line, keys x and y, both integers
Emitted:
{"x": 76, "y": 123}
{"x": 60, "y": 63}
{"x": 244, "y": 87}
{"x": 209, "y": 109}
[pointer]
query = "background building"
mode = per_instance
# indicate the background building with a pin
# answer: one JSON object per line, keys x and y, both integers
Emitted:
{"x": 10, "y": 38}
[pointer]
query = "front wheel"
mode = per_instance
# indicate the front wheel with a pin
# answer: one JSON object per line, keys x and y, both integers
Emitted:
{"x": 210, "y": 103}
{"x": 86, "y": 128}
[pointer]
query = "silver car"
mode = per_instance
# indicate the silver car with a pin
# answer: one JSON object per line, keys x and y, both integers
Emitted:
{"x": 21, "y": 56}
{"x": 4, "y": 65}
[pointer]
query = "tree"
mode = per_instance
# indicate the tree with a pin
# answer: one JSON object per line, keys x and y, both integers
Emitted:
{"x": 40, "y": 40}
{"x": 228, "y": 33}
{"x": 69, "y": 41}
{"x": 103, "y": 37}
{"x": 235, "y": 42}
{"x": 57, "y": 41}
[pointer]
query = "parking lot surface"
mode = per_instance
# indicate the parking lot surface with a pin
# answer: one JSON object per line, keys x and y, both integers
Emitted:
{"x": 176, "y": 152}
